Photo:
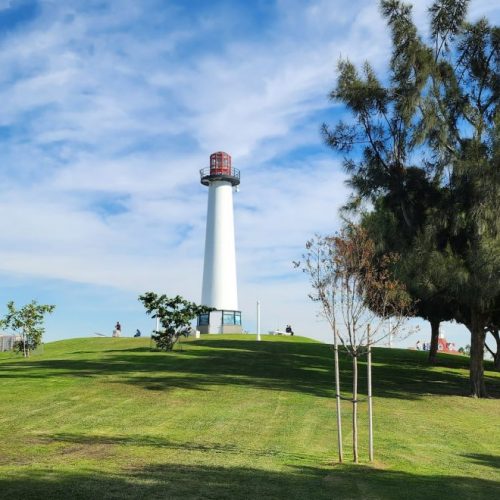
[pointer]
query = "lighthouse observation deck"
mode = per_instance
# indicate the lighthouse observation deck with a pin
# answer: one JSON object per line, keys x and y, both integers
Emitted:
{"x": 220, "y": 169}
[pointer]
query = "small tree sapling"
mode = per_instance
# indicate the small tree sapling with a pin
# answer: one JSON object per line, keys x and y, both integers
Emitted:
{"x": 27, "y": 322}
{"x": 174, "y": 315}
{"x": 357, "y": 295}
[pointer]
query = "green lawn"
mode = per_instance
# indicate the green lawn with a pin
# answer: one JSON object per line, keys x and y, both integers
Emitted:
{"x": 227, "y": 417}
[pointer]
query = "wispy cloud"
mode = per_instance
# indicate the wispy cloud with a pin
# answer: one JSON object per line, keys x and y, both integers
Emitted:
{"x": 110, "y": 108}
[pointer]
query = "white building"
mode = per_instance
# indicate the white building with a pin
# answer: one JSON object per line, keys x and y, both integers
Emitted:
{"x": 219, "y": 288}
{"x": 7, "y": 341}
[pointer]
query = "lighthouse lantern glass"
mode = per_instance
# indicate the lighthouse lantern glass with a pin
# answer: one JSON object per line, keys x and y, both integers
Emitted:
{"x": 228, "y": 318}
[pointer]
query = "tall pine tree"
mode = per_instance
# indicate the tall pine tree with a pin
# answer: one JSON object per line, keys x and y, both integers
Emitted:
{"x": 423, "y": 150}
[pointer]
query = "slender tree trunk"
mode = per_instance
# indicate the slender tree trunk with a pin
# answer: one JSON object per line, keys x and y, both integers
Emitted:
{"x": 478, "y": 336}
{"x": 496, "y": 354}
{"x": 337, "y": 396}
{"x": 355, "y": 408}
{"x": 25, "y": 347}
{"x": 434, "y": 340}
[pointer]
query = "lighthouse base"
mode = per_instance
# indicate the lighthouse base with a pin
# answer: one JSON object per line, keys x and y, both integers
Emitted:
{"x": 220, "y": 322}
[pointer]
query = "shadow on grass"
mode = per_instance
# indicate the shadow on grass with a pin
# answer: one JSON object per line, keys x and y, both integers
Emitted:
{"x": 178, "y": 480}
{"x": 128, "y": 349}
{"x": 285, "y": 366}
{"x": 162, "y": 443}
{"x": 492, "y": 461}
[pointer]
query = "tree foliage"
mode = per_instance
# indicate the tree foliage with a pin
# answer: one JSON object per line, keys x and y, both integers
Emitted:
{"x": 354, "y": 289}
{"x": 423, "y": 149}
{"x": 356, "y": 294}
{"x": 27, "y": 322}
{"x": 174, "y": 314}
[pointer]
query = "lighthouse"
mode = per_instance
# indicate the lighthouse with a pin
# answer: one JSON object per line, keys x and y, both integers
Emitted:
{"x": 219, "y": 289}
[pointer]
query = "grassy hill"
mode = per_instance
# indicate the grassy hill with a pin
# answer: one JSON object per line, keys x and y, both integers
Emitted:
{"x": 227, "y": 417}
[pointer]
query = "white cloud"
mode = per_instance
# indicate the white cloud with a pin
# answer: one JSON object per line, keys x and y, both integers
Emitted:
{"x": 109, "y": 110}
{"x": 5, "y": 4}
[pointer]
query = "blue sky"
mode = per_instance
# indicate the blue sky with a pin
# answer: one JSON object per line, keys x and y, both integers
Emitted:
{"x": 109, "y": 110}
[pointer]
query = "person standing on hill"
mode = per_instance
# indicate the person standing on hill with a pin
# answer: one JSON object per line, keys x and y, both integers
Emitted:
{"x": 118, "y": 330}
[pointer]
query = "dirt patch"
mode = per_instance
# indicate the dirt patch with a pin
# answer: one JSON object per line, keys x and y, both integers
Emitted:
{"x": 92, "y": 451}
{"x": 86, "y": 449}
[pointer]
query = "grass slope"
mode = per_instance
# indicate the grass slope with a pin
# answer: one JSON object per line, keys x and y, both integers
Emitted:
{"x": 227, "y": 417}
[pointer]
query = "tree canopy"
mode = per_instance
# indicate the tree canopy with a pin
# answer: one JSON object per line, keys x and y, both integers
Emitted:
{"x": 27, "y": 322}
{"x": 422, "y": 154}
{"x": 174, "y": 314}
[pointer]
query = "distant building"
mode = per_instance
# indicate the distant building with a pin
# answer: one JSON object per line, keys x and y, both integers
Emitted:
{"x": 7, "y": 341}
{"x": 445, "y": 346}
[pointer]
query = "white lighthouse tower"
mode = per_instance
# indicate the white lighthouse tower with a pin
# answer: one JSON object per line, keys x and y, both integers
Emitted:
{"x": 219, "y": 271}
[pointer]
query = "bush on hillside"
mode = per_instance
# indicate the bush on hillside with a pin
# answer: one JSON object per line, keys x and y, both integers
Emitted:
{"x": 174, "y": 315}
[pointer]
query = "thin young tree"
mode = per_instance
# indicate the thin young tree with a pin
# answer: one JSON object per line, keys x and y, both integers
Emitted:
{"x": 357, "y": 294}
{"x": 27, "y": 322}
{"x": 319, "y": 266}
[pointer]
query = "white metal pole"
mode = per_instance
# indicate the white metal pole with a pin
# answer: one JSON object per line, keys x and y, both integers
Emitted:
{"x": 258, "y": 320}
{"x": 390, "y": 333}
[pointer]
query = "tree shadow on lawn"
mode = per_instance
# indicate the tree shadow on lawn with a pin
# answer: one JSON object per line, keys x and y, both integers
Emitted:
{"x": 492, "y": 461}
{"x": 159, "y": 442}
{"x": 413, "y": 375}
{"x": 398, "y": 373}
{"x": 178, "y": 480}
{"x": 285, "y": 366}
{"x": 127, "y": 349}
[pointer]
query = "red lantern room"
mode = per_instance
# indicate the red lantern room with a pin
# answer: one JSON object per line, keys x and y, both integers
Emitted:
{"x": 220, "y": 163}
{"x": 220, "y": 170}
